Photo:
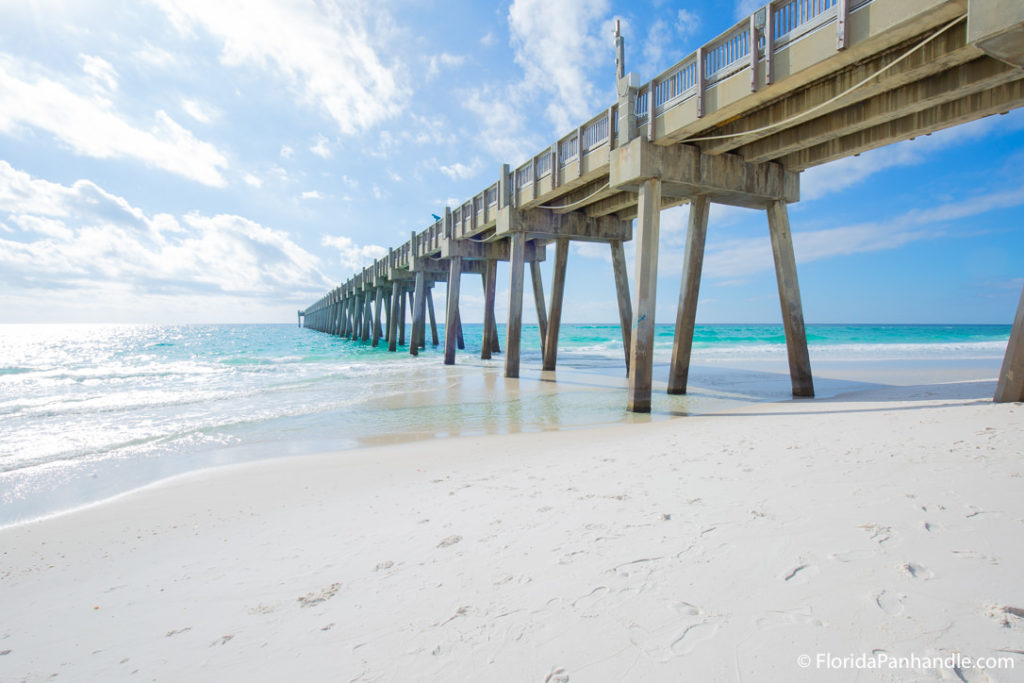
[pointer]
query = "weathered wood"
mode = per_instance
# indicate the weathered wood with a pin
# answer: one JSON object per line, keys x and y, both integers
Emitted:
{"x": 515, "y": 304}
{"x": 689, "y": 289}
{"x": 557, "y": 294}
{"x": 417, "y": 313}
{"x": 452, "y": 313}
{"x": 389, "y": 316}
{"x": 1010, "y": 388}
{"x": 489, "y": 278}
{"x": 641, "y": 359}
{"x": 430, "y": 311}
{"x": 396, "y": 297}
{"x": 622, "y": 294}
{"x": 789, "y": 298}
{"x": 538, "y": 300}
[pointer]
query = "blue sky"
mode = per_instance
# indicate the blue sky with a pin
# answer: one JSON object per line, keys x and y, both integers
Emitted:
{"x": 196, "y": 161}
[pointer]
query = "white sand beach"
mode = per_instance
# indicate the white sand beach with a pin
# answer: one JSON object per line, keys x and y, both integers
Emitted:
{"x": 722, "y": 547}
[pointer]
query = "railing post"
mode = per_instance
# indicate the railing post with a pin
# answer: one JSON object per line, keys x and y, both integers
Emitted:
{"x": 650, "y": 111}
{"x": 769, "y": 45}
{"x": 700, "y": 82}
{"x": 842, "y": 10}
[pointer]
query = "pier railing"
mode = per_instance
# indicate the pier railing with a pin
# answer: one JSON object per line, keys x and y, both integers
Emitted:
{"x": 747, "y": 44}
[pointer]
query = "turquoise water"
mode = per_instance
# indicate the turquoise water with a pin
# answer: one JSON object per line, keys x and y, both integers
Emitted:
{"x": 90, "y": 411}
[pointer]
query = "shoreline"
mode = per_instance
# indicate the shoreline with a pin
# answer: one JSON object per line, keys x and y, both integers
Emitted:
{"x": 719, "y": 547}
{"x": 475, "y": 400}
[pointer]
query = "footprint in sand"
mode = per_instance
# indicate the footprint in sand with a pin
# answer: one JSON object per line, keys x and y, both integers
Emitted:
{"x": 795, "y": 617}
{"x": 692, "y": 636}
{"x": 559, "y": 675}
{"x": 853, "y": 555}
{"x": 916, "y": 571}
{"x": 590, "y": 598}
{"x": 801, "y": 574}
{"x": 890, "y": 603}
{"x": 316, "y": 597}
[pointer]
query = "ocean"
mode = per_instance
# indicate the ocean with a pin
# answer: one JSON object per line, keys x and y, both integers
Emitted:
{"x": 88, "y": 412}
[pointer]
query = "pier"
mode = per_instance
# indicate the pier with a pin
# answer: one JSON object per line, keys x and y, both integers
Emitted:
{"x": 796, "y": 84}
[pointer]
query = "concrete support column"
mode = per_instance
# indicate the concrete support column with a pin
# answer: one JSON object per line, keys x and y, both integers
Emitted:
{"x": 378, "y": 305}
{"x": 622, "y": 294}
{"x": 641, "y": 355}
{"x": 401, "y": 318}
{"x": 1010, "y": 388}
{"x": 490, "y": 277}
{"x": 452, "y": 314}
{"x": 686, "y": 315}
{"x": 538, "y": 300}
{"x": 460, "y": 339}
{"x": 517, "y": 257}
{"x": 789, "y": 298}
{"x": 430, "y": 311}
{"x": 367, "y": 314}
{"x": 396, "y": 297}
{"x": 557, "y": 293}
{"x": 417, "y": 314}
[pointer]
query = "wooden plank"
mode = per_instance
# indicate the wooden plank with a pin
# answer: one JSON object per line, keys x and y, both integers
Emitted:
{"x": 515, "y": 304}
{"x": 686, "y": 315}
{"x": 789, "y": 299}
{"x": 417, "y": 314}
{"x": 641, "y": 361}
{"x": 622, "y": 294}
{"x": 452, "y": 313}
{"x": 555, "y": 315}
{"x": 538, "y": 300}
{"x": 1010, "y": 388}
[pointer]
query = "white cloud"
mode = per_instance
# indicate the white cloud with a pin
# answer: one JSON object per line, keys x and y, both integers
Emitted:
{"x": 687, "y": 23}
{"x": 555, "y": 43}
{"x": 460, "y": 171}
{"x": 378, "y": 193}
{"x": 352, "y": 256}
{"x": 488, "y": 39}
{"x": 90, "y": 126}
{"x": 83, "y": 239}
{"x": 742, "y": 257}
{"x": 312, "y": 194}
{"x": 252, "y": 181}
{"x": 744, "y": 8}
{"x": 443, "y": 60}
{"x": 201, "y": 112}
{"x": 102, "y": 72}
{"x": 504, "y": 132}
{"x": 155, "y": 56}
{"x": 329, "y": 54}
{"x": 394, "y": 176}
{"x": 287, "y": 152}
{"x": 321, "y": 147}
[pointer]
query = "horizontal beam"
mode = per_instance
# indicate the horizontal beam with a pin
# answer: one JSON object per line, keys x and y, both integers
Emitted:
{"x": 686, "y": 173}
{"x": 981, "y": 74}
{"x": 576, "y": 225}
{"x": 978, "y": 105}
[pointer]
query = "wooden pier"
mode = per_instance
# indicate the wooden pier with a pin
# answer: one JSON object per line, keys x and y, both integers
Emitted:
{"x": 797, "y": 84}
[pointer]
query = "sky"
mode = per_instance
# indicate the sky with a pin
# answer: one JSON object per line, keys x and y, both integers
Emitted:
{"x": 190, "y": 161}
